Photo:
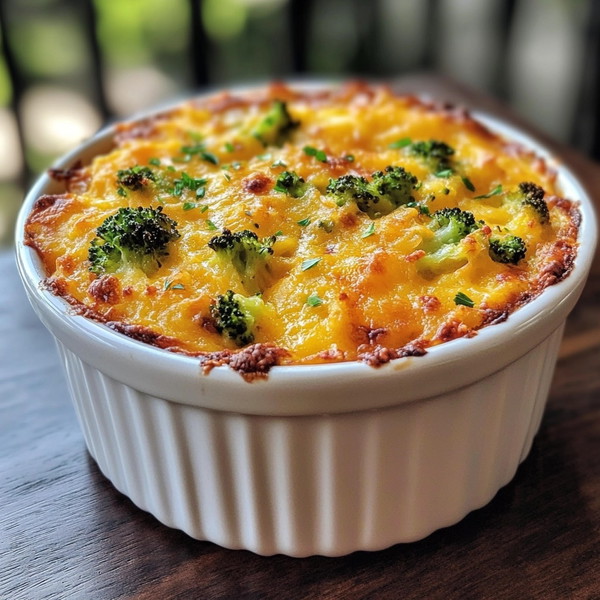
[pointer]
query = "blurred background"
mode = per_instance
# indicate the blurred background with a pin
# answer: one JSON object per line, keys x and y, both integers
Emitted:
{"x": 69, "y": 66}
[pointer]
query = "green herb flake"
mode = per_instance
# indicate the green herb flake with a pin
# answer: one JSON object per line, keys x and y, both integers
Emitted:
{"x": 229, "y": 147}
{"x": 189, "y": 205}
{"x": 200, "y": 192}
{"x": 495, "y": 192}
{"x": 266, "y": 156}
{"x": 309, "y": 263}
{"x": 204, "y": 208}
{"x": 369, "y": 231}
{"x": 318, "y": 154}
{"x": 154, "y": 162}
{"x": 444, "y": 173}
{"x": 278, "y": 233}
{"x": 211, "y": 226}
{"x": 121, "y": 191}
{"x": 278, "y": 163}
{"x": 304, "y": 222}
{"x": 314, "y": 300}
{"x": 178, "y": 286}
{"x": 167, "y": 285}
{"x": 209, "y": 157}
{"x": 461, "y": 299}
{"x": 401, "y": 143}
{"x": 227, "y": 176}
{"x": 468, "y": 184}
{"x": 349, "y": 157}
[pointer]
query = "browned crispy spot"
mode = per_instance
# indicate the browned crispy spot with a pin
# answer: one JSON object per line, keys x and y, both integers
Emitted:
{"x": 348, "y": 220}
{"x": 381, "y": 355}
{"x": 144, "y": 334}
{"x": 106, "y": 288}
{"x": 430, "y": 303}
{"x": 370, "y": 334}
{"x": 332, "y": 354}
{"x": 257, "y": 184}
{"x": 253, "y": 362}
{"x": 415, "y": 256}
{"x": 452, "y": 329}
{"x": 141, "y": 129}
{"x": 492, "y": 316}
{"x": 75, "y": 178}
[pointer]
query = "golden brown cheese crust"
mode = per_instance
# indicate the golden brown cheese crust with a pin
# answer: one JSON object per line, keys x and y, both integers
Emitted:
{"x": 374, "y": 303}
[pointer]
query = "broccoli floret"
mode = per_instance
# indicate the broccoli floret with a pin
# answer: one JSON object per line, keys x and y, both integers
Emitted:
{"x": 443, "y": 252}
{"x": 290, "y": 183}
{"x": 135, "y": 178}
{"x": 235, "y": 316}
{"x": 386, "y": 191}
{"x": 509, "y": 250}
{"x": 132, "y": 237}
{"x": 435, "y": 154}
{"x": 248, "y": 254}
{"x": 532, "y": 195}
{"x": 277, "y": 125}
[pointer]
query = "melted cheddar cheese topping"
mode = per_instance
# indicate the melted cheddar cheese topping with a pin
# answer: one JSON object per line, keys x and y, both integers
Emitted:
{"x": 343, "y": 284}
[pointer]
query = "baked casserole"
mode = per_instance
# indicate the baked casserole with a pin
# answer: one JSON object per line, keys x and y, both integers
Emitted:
{"x": 286, "y": 226}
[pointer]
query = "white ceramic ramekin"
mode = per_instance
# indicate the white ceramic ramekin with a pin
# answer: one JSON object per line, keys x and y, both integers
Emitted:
{"x": 318, "y": 459}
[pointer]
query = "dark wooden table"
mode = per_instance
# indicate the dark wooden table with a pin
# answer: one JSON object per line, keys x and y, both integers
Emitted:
{"x": 66, "y": 533}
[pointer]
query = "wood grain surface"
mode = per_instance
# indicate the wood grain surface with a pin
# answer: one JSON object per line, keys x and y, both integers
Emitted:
{"x": 65, "y": 533}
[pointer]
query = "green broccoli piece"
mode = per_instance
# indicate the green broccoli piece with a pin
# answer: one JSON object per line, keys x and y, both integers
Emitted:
{"x": 132, "y": 237}
{"x": 135, "y": 178}
{"x": 508, "y": 250}
{"x": 386, "y": 191}
{"x": 443, "y": 252}
{"x": 277, "y": 125}
{"x": 437, "y": 155}
{"x": 248, "y": 254}
{"x": 290, "y": 183}
{"x": 235, "y": 316}
{"x": 532, "y": 195}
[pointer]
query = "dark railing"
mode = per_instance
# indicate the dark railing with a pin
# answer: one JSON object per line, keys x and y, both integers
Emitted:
{"x": 283, "y": 41}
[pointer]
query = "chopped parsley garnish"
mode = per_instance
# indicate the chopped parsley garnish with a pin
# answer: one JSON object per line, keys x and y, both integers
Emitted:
{"x": 401, "y": 143}
{"x": 468, "y": 184}
{"x": 278, "y": 163}
{"x": 199, "y": 150}
{"x": 349, "y": 157}
{"x": 211, "y": 226}
{"x": 304, "y": 222}
{"x": 318, "y": 154}
{"x": 314, "y": 300}
{"x": 495, "y": 192}
{"x": 462, "y": 299}
{"x": 229, "y": 147}
{"x": 121, "y": 191}
{"x": 189, "y": 205}
{"x": 227, "y": 176}
{"x": 369, "y": 231}
{"x": 169, "y": 285}
{"x": 444, "y": 173}
{"x": 265, "y": 156}
{"x": 154, "y": 161}
{"x": 189, "y": 183}
{"x": 309, "y": 263}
